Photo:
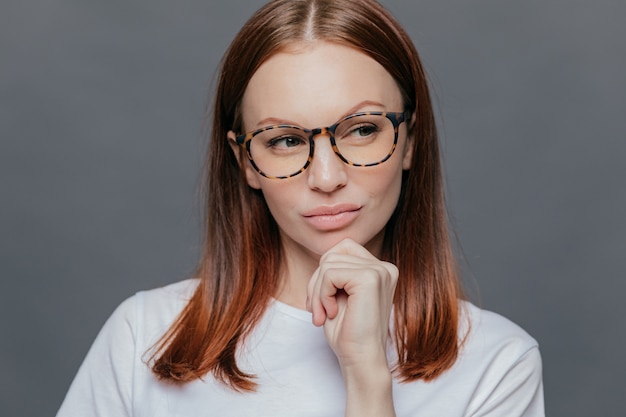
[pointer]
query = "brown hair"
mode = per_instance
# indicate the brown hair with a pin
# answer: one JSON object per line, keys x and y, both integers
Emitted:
{"x": 242, "y": 252}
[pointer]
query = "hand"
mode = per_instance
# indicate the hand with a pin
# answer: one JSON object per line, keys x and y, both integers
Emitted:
{"x": 351, "y": 295}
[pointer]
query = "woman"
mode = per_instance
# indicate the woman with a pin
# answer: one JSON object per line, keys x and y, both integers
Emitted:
{"x": 324, "y": 205}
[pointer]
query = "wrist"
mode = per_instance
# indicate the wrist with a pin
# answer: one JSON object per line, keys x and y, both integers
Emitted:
{"x": 368, "y": 390}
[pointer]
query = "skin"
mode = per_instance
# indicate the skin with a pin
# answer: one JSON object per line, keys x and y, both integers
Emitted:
{"x": 333, "y": 270}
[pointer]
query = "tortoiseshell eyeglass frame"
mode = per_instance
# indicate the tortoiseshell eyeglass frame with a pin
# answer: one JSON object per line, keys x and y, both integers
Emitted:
{"x": 396, "y": 119}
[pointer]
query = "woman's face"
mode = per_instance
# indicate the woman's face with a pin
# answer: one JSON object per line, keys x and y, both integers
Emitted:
{"x": 315, "y": 84}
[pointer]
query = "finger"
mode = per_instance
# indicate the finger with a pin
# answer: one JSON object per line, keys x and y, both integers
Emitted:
{"x": 332, "y": 281}
{"x": 348, "y": 278}
{"x": 355, "y": 253}
{"x": 314, "y": 305}
{"x": 348, "y": 247}
{"x": 309, "y": 290}
{"x": 329, "y": 279}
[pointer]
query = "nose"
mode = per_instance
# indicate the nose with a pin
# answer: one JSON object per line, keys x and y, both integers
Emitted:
{"x": 327, "y": 172}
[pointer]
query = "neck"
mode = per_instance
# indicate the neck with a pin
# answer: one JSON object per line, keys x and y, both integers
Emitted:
{"x": 296, "y": 270}
{"x": 299, "y": 264}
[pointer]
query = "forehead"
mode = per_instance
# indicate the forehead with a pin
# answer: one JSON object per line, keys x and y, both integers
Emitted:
{"x": 315, "y": 83}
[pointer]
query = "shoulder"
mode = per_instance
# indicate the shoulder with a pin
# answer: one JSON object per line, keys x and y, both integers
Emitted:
{"x": 503, "y": 363}
{"x": 148, "y": 314}
{"x": 104, "y": 384}
{"x": 487, "y": 331}
{"x": 163, "y": 300}
{"x": 487, "y": 324}
{"x": 166, "y": 300}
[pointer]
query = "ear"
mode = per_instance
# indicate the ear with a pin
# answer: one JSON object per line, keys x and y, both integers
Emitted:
{"x": 252, "y": 177}
{"x": 409, "y": 144}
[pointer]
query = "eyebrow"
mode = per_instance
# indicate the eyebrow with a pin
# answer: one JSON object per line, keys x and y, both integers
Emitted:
{"x": 354, "y": 109}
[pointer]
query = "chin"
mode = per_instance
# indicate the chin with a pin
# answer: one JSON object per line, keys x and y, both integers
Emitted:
{"x": 372, "y": 244}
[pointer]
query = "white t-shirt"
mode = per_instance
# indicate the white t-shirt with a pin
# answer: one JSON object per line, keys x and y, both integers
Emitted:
{"x": 497, "y": 373}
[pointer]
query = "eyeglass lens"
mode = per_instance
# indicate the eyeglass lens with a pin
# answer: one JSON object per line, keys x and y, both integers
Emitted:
{"x": 284, "y": 150}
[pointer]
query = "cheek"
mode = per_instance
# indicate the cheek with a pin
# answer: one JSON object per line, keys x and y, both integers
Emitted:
{"x": 384, "y": 183}
{"x": 253, "y": 178}
{"x": 388, "y": 199}
{"x": 280, "y": 196}
{"x": 384, "y": 192}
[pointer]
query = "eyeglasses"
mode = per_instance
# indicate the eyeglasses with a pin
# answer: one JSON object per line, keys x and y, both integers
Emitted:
{"x": 361, "y": 139}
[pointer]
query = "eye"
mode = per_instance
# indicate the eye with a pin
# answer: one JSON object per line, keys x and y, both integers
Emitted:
{"x": 364, "y": 129}
{"x": 286, "y": 142}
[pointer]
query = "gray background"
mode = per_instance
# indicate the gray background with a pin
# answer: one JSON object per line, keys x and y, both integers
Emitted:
{"x": 101, "y": 113}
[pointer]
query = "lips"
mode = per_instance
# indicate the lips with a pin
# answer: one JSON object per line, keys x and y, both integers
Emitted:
{"x": 332, "y": 217}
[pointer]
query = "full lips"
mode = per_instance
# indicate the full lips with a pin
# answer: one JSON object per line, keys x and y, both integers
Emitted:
{"x": 336, "y": 218}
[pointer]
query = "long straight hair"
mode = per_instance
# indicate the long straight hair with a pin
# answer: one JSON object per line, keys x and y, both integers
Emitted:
{"x": 242, "y": 254}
